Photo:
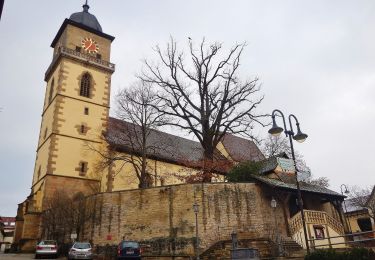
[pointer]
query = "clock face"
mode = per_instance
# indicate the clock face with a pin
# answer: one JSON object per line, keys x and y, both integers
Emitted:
{"x": 90, "y": 45}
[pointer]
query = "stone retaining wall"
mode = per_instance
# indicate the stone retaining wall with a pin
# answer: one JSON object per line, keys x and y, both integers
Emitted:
{"x": 163, "y": 219}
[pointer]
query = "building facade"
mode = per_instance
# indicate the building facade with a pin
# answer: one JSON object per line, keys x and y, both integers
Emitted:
{"x": 75, "y": 115}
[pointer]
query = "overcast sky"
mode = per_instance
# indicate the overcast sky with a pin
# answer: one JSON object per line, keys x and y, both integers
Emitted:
{"x": 315, "y": 59}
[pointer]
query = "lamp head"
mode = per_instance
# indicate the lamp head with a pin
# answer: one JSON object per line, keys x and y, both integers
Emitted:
{"x": 275, "y": 130}
{"x": 196, "y": 207}
{"x": 299, "y": 137}
{"x": 273, "y": 203}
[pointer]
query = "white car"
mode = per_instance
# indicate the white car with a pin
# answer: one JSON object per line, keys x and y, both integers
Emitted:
{"x": 46, "y": 248}
{"x": 80, "y": 250}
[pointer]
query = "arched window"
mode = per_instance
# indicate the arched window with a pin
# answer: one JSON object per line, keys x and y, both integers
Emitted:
{"x": 85, "y": 85}
{"x": 51, "y": 90}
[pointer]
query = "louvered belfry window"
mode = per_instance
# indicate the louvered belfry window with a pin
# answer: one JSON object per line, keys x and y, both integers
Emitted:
{"x": 85, "y": 85}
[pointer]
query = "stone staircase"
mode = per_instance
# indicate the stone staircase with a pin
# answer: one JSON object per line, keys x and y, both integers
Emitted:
{"x": 292, "y": 248}
{"x": 267, "y": 249}
{"x": 221, "y": 249}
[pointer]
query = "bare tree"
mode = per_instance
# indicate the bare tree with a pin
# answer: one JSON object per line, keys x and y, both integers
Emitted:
{"x": 55, "y": 218}
{"x": 203, "y": 93}
{"x": 129, "y": 138}
{"x": 65, "y": 213}
{"x": 364, "y": 198}
{"x": 273, "y": 146}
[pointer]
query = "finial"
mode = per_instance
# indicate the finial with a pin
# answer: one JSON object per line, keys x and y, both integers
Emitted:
{"x": 86, "y": 7}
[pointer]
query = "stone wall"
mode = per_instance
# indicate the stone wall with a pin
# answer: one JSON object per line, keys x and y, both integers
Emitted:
{"x": 163, "y": 219}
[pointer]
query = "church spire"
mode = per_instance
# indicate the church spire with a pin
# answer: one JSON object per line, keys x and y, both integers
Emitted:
{"x": 86, "y": 7}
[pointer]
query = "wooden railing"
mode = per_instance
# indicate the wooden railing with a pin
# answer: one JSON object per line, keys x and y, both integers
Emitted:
{"x": 315, "y": 217}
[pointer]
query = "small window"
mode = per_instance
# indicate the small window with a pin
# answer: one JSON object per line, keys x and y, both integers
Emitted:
{"x": 85, "y": 85}
{"x": 319, "y": 232}
{"x": 39, "y": 170}
{"x": 82, "y": 168}
{"x": 45, "y": 133}
{"x": 83, "y": 129}
{"x": 51, "y": 91}
{"x": 98, "y": 56}
{"x": 78, "y": 49}
{"x": 86, "y": 110}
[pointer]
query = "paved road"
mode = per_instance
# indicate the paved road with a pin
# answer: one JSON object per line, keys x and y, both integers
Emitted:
{"x": 20, "y": 256}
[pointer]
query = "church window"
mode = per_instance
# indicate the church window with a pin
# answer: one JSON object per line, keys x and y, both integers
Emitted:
{"x": 86, "y": 110}
{"x": 85, "y": 85}
{"x": 45, "y": 133}
{"x": 51, "y": 90}
{"x": 83, "y": 129}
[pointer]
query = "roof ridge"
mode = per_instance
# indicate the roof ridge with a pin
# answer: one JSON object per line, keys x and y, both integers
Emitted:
{"x": 156, "y": 130}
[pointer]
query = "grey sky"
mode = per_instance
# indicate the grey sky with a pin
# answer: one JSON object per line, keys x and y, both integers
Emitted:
{"x": 315, "y": 59}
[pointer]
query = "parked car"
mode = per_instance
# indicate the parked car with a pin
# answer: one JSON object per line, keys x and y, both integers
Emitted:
{"x": 46, "y": 248}
{"x": 129, "y": 250}
{"x": 80, "y": 250}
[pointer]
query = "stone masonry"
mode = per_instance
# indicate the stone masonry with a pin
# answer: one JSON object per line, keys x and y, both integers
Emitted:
{"x": 163, "y": 219}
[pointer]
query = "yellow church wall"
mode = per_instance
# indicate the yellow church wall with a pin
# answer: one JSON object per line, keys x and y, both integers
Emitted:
{"x": 41, "y": 160}
{"x": 71, "y": 152}
{"x": 73, "y": 117}
{"x": 73, "y": 36}
{"x": 162, "y": 173}
{"x": 46, "y": 126}
{"x": 55, "y": 76}
{"x": 73, "y": 72}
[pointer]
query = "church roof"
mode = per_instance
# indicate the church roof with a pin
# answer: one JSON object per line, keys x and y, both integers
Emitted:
{"x": 241, "y": 149}
{"x": 86, "y": 19}
{"x": 170, "y": 148}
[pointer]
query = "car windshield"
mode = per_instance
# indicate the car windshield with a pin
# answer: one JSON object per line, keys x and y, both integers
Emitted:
{"x": 130, "y": 244}
{"x": 82, "y": 245}
{"x": 48, "y": 243}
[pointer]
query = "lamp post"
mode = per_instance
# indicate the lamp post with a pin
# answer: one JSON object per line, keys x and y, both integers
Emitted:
{"x": 299, "y": 137}
{"x": 346, "y": 191}
{"x": 274, "y": 205}
{"x": 196, "y": 210}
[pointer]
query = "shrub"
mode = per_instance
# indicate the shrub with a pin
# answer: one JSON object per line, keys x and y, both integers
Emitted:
{"x": 352, "y": 254}
{"x": 242, "y": 172}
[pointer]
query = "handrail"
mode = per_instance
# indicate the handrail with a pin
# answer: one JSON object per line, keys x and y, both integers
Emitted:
{"x": 312, "y": 241}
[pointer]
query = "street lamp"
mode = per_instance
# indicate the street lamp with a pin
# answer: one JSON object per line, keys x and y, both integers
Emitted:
{"x": 196, "y": 210}
{"x": 346, "y": 191}
{"x": 299, "y": 137}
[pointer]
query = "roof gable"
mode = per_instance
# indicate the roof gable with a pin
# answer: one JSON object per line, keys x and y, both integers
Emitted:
{"x": 241, "y": 149}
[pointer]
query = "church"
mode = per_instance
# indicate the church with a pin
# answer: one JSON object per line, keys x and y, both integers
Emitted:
{"x": 75, "y": 113}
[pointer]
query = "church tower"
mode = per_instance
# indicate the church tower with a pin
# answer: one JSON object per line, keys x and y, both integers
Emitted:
{"x": 75, "y": 113}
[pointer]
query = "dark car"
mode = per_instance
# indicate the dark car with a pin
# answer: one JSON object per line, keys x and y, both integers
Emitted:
{"x": 129, "y": 250}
